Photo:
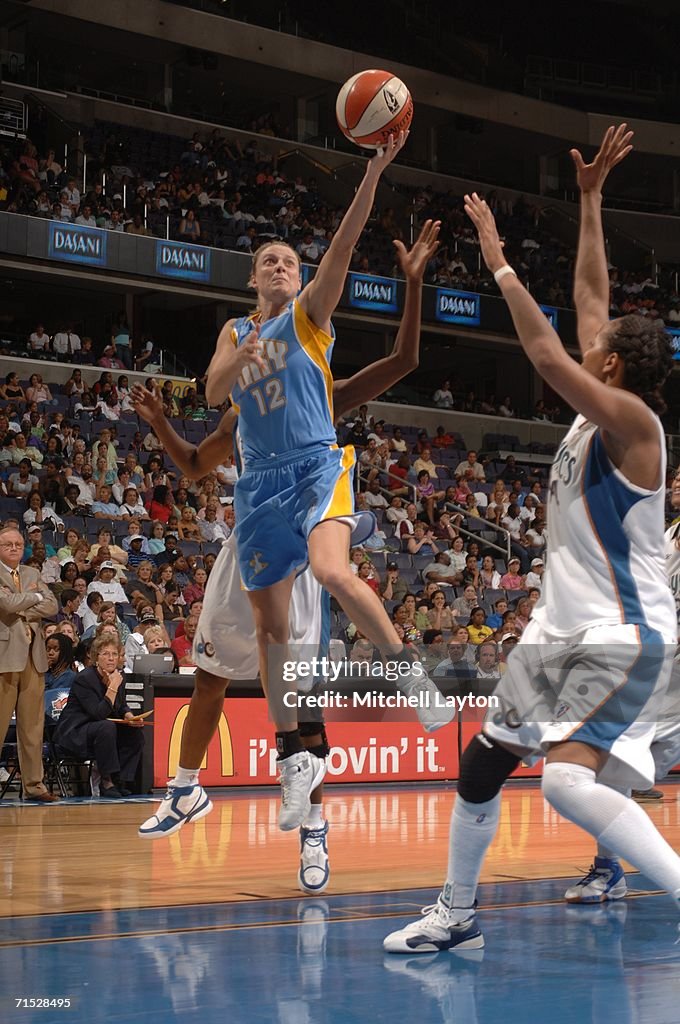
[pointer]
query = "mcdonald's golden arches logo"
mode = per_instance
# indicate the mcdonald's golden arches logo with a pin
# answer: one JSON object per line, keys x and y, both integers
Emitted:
{"x": 223, "y": 736}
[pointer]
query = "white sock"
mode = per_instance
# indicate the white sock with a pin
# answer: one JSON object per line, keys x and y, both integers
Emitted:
{"x": 602, "y": 850}
{"x": 473, "y": 827}
{"x": 185, "y": 776}
{"x": 615, "y": 821}
{"x": 315, "y": 817}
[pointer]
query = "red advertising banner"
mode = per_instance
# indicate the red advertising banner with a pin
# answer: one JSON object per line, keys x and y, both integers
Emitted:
{"x": 242, "y": 753}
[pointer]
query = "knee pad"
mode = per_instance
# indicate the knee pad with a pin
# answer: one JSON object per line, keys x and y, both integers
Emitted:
{"x": 484, "y": 767}
{"x": 321, "y": 749}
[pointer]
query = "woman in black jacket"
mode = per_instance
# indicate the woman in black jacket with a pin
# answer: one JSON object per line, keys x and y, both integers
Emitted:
{"x": 84, "y": 729}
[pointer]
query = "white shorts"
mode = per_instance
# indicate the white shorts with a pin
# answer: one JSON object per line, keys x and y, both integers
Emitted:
{"x": 225, "y": 644}
{"x": 604, "y": 687}
{"x": 666, "y": 743}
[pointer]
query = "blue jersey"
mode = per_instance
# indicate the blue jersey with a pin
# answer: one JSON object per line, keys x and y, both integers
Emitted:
{"x": 290, "y": 406}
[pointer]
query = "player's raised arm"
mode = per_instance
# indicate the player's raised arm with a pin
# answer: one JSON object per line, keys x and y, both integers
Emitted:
{"x": 622, "y": 413}
{"x": 194, "y": 461}
{"x": 591, "y": 277}
{"x": 374, "y": 379}
{"x": 322, "y": 294}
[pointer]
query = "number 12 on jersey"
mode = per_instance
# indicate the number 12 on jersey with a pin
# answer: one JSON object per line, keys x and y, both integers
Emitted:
{"x": 270, "y": 396}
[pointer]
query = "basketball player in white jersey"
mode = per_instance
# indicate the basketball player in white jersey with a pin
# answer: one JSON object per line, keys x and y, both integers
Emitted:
{"x": 225, "y": 646}
{"x": 605, "y": 880}
{"x": 584, "y": 686}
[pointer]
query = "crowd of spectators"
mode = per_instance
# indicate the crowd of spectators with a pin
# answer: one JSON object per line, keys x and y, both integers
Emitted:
{"x": 438, "y": 561}
{"x": 219, "y": 191}
{"x": 123, "y": 540}
{"x": 126, "y": 543}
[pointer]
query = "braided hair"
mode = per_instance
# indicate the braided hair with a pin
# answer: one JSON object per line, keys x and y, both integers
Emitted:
{"x": 647, "y": 354}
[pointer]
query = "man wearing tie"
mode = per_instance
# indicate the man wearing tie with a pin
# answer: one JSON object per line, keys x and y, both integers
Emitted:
{"x": 24, "y": 601}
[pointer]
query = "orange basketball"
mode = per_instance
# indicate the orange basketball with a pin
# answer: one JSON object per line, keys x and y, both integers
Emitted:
{"x": 371, "y": 106}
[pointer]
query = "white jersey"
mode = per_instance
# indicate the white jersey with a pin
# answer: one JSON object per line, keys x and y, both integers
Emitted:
{"x": 606, "y": 556}
{"x": 672, "y": 553}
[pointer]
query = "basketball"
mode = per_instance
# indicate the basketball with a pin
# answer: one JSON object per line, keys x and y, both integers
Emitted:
{"x": 371, "y": 106}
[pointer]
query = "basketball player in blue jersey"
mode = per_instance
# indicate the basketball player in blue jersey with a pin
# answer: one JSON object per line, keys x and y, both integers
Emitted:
{"x": 225, "y": 646}
{"x": 584, "y": 686}
{"x": 294, "y": 501}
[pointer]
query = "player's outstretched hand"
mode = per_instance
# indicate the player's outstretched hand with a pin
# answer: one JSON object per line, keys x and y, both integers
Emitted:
{"x": 616, "y": 145}
{"x": 251, "y": 351}
{"x": 413, "y": 263}
{"x": 483, "y": 219}
{"x": 149, "y": 404}
{"x": 384, "y": 155}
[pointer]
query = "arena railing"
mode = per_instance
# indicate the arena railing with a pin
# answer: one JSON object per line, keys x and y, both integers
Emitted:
{"x": 504, "y": 550}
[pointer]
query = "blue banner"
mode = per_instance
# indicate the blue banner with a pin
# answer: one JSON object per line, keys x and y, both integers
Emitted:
{"x": 454, "y": 307}
{"x": 376, "y": 293}
{"x": 76, "y": 243}
{"x": 187, "y": 262}
{"x": 552, "y": 315}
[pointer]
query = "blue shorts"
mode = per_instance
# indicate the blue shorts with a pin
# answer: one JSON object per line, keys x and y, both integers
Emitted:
{"x": 278, "y": 503}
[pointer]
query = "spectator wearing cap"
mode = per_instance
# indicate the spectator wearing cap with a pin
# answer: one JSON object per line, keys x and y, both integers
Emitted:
{"x": 106, "y": 584}
{"x": 394, "y": 588}
{"x": 508, "y": 642}
{"x": 182, "y": 645}
{"x": 136, "y": 642}
{"x": 134, "y": 530}
{"x": 535, "y": 575}
{"x": 136, "y": 554}
{"x": 109, "y": 360}
{"x": 512, "y": 579}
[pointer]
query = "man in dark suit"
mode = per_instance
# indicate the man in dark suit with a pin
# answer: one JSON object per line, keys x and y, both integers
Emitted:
{"x": 24, "y": 601}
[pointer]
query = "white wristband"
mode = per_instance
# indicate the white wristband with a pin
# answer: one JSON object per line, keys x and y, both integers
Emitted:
{"x": 504, "y": 270}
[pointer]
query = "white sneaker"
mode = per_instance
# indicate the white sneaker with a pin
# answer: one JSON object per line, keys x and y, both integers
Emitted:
{"x": 432, "y": 710}
{"x": 605, "y": 881}
{"x": 299, "y": 776}
{"x": 179, "y": 805}
{"x": 436, "y": 930}
{"x": 315, "y": 872}
{"x": 4, "y": 775}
